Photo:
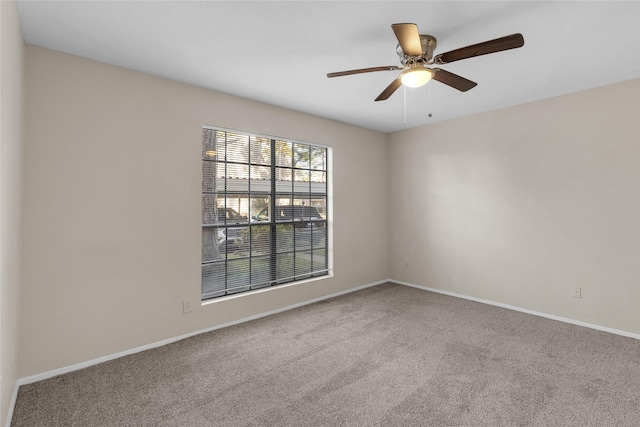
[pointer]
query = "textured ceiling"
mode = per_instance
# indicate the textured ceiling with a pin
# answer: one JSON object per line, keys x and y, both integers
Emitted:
{"x": 280, "y": 52}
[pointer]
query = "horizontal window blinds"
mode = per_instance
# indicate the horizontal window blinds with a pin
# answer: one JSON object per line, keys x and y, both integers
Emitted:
{"x": 264, "y": 212}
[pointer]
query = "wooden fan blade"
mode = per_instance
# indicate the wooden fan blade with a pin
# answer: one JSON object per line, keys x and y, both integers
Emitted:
{"x": 390, "y": 89}
{"x": 497, "y": 45}
{"x": 453, "y": 80}
{"x": 409, "y": 38}
{"x": 363, "y": 70}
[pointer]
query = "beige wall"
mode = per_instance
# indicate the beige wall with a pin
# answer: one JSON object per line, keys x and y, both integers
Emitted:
{"x": 518, "y": 205}
{"x": 12, "y": 62}
{"x": 112, "y": 208}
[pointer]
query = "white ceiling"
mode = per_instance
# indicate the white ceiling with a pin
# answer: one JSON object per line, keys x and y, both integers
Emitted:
{"x": 280, "y": 52}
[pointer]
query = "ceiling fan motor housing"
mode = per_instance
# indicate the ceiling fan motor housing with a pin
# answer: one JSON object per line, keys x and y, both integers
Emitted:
{"x": 428, "y": 44}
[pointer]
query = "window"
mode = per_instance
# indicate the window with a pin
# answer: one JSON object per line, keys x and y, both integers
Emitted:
{"x": 264, "y": 212}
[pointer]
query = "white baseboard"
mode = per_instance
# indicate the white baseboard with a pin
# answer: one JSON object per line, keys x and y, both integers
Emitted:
{"x": 12, "y": 405}
{"x": 523, "y": 310}
{"x": 82, "y": 365}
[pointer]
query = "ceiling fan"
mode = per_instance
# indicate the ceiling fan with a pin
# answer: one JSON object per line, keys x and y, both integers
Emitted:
{"x": 416, "y": 52}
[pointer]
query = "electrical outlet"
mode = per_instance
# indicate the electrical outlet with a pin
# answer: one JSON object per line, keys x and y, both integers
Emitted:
{"x": 576, "y": 292}
{"x": 186, "y": 306}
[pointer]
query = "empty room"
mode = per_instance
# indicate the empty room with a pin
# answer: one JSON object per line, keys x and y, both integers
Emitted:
{"x": 319, "y": 213}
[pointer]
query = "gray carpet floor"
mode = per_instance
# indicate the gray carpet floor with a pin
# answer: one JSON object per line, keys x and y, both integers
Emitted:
{"x": 389, "y": 355}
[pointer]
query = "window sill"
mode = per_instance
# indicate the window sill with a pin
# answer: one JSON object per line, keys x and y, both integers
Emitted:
{"x": 267, "y": 289}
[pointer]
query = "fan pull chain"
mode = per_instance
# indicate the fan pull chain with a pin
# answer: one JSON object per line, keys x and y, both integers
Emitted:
{"x": 405, "y": 104}
{"x": 429, "y": 99}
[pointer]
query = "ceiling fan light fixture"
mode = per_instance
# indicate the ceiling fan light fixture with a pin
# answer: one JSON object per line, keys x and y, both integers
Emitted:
{"x": 416, "y": 77}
